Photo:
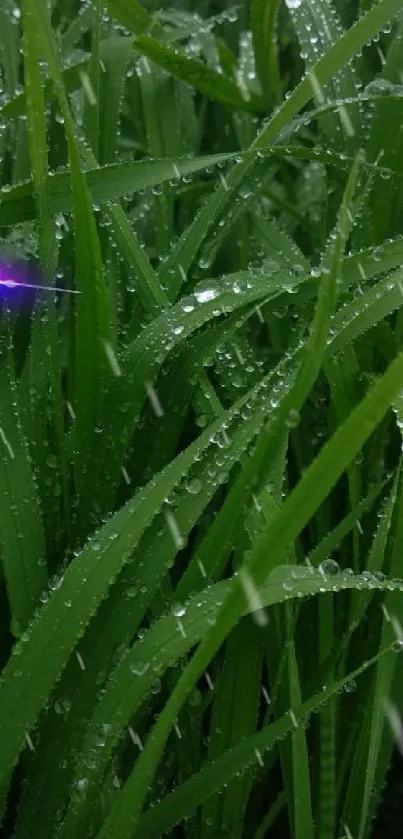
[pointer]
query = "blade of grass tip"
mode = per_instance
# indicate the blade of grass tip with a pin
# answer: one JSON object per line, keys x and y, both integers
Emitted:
{"x": 238, "y": 217}
{"x": 186, "y": 250}
{"x": 132, "y": 15}
{"x": 315, "y": 484}
{"x": 263, "y": 21}
{"x": 149, "y": 288}
{"x": 79, "y": 25}
{"x": 105, "y": 184}
{"x": 92, "y": 317}
{"x": 376, "y": 561}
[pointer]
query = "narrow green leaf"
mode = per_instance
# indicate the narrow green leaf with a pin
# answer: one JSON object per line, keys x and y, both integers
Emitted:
{"x": 263, "y": 19}
{"x": 295, "y": 513}
{"x": 105, "y": 184}
{"x": 207, "y": 81}
{"x": 21, "y": 532}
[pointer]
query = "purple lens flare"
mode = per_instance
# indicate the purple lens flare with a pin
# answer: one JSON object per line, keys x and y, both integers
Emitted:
{"x": 20, "y": 280}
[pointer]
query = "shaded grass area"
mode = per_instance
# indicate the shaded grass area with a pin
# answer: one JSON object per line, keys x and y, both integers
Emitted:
{"x": 200, "y": 418}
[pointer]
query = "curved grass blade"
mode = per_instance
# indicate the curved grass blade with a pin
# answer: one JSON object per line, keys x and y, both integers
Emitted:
{"x": 163, "y": 644}
{"x": 190, "y": 243}
{"x": 318, "y": 28}
{"x": 206, "y": 80}
{"x": 142, "y": 364}
{"x": 182, "y": 802}
{"x": 308, "y": 360}
{"x": 121, "y": 615}
{"x": 79, "y": 593}
{"x": 105, "y": 184}
{"x": 55, "y": 613}
{"x": 295, "y": 513}
{"x": 364, "y": 312}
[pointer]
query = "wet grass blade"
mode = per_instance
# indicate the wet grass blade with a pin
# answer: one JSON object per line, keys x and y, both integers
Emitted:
{"x": 296, "y": 512}
{"x": 163, "y": 644}
{"x": 207, "y": 81}
{"x": 92, "y": 314}
{"x": 105, "y": 184}
{"x": 185, "y": 252}
{"x": 263, "y": 19}
{"x": 21, "y": 532}
{"x": 200, "y": 470}
{"x": 180, "y": 803}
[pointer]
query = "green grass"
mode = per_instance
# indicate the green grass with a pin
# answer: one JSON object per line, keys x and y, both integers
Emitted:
{"x": 200, "y": 449}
